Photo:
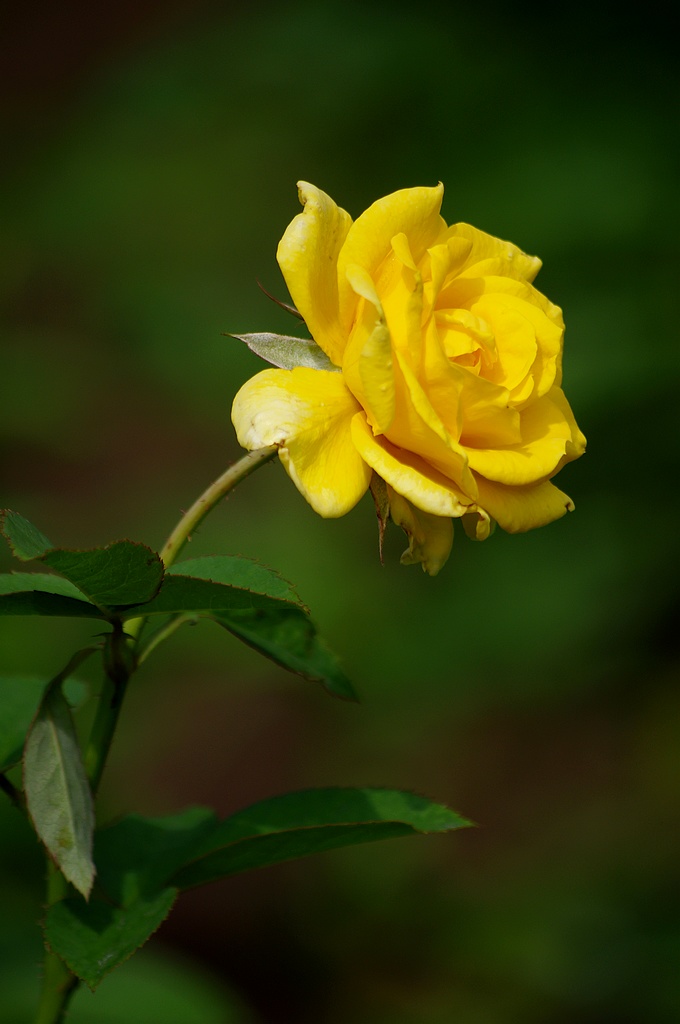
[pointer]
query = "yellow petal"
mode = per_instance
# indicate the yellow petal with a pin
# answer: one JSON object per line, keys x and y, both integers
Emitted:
{"x": 478, "y": 525}
{"x": 516, "y": 343}
{"x": 413, "y": 211}
{"x": 430, "y": 537}
{"x": 471, "y": 408}
{"x": 367, "y": 366}
{"x": 484, "y": 247}
{"x": 441, "y": 261}
{"x": 546, "y": 436}
{"x": 403, "y": 302}
{"x": 308, "y": 414}
{"x": 408, "y": 474}
{"x": 517, "y": 509}
{"x": 577, "y": 445}
{"x": 418, "y": 428}
{"x": 308, "y": 257}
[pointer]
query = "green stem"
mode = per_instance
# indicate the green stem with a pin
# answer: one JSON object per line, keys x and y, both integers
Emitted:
{"x": 210, "y": 497}
{"x": 15, "y": 795}
{"x": 58, "y": 982}
{"x": 162, "y": 634}
{"x": 199, "y": 510}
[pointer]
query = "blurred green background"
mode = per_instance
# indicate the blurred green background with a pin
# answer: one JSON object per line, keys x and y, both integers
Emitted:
{"x": 151, "y": 156}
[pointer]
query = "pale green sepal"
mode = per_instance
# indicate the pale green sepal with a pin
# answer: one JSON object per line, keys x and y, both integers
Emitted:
{"x": 58, "y": 795}
{"x": 286, "y": 352}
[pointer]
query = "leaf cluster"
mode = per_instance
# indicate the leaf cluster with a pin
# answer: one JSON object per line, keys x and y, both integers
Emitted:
{"x": 128, "y": 875}
{"x": 127, "y": 580}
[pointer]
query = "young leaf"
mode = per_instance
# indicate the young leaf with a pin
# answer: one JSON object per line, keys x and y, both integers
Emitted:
{"x": 298, "y": 824}
{"x": 93, "y": 938}
{"x": 36, "y": 593}
{"x": 57, "y": 792}
{"x": 288, "y": 636}
{"x": 19, "y": 700}
{"x": 286, "y": 352}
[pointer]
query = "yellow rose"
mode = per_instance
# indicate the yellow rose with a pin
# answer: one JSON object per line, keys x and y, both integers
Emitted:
{"x": 441, "y": 374}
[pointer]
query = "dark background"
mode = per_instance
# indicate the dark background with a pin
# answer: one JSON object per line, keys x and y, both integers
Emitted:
{"x": 152, "y": 151}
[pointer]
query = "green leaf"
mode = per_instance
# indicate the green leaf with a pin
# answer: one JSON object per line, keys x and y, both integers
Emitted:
{"x": 183, "y": 594}
{"x": 289, "y": 637}
{"x": 121, "y": 573}
{"x": 286, "y": 352}
{"x": 238, "y": 571}
{"x": 298, "y": 824}
{"x": 36, "y": 593}
{"x": 25, "y": 539}
{"x": 19, "y": 700}
{"x": 216, "y": 583}
{"x": 137, "y": 855}
{"x": 93, "y": 938}
{"x": 258, "y": 606}
{"x": 57, "y": 792}
{"x": 142, "y": 862}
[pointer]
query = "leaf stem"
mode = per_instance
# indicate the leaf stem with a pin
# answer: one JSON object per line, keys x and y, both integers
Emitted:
{"x": 164, "y": 633}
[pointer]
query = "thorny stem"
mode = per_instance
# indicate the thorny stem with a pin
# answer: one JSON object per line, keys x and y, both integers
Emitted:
{"x": 210, "y": 497}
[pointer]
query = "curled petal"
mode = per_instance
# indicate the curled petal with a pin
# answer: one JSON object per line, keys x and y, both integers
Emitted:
{"x": 429, "y": 537}
{"x": 408, "y": 474}
{"x": 308, "y": 414}
{"x": 546, "y": 437}
{"x": 478, "y": 525}
{"x": 308, "y": 256}
{"x": 518, "y": 509}
{"x": 367, "y": 365}
{"x": 418, "y": 428}
{"x": 411, "y": 211}
{"x": 485, "y": 247}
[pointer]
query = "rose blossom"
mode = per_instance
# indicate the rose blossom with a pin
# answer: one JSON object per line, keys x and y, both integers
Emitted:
{"x": 442, "y": 377}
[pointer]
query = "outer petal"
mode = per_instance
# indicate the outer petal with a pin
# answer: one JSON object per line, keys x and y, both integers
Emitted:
{"x": 308, "y": 414}
{"x": 430, "y": 537}
{"x": 308, "y": 256}
{"x": 518, "y": 509}
{"x": 413, "y": 211}
{"x": 487, "y": 247}
{"x": 577, "y": 446}
{"x": 408, "y": 474}
{"x": 546, "y": 438}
